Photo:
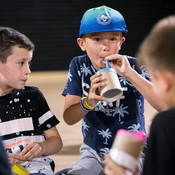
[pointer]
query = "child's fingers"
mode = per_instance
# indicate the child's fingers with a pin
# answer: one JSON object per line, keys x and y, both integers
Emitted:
{"x": 115, "y": 60}
{"x": 113, "y": 57}
{"x": 97, "y": 78}
{"x": 13, "y": 158}
{"x": 13, "y": 161}
{"x": 99, "y": 98}
{"x": 96, "y": 82}
{"x": 32, "y": 150}
{"x": 96, "y": 85}
{"x": 26, "y": 149}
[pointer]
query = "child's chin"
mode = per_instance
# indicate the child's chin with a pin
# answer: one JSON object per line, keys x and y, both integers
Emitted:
{"x": 20, "y": 87}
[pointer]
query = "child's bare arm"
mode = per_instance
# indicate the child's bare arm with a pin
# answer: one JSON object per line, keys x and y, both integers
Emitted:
{"x": 51, "y": 145}
{"x": 123, "y": 68}
{"x": 72, "y": 108}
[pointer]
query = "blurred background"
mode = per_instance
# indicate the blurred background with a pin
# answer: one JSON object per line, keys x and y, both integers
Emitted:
{"x": 53, "y": 26}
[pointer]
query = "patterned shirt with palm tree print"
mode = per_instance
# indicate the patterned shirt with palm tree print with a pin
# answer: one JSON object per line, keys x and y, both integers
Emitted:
{"x": 100, "y": 125}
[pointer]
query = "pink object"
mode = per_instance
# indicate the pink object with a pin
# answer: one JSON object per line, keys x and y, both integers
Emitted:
{"x": 140, "y": 135}
{"x": 127, "y": 147}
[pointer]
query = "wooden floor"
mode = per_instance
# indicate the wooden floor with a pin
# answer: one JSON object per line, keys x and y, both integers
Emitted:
{"x": 52, "y": 85}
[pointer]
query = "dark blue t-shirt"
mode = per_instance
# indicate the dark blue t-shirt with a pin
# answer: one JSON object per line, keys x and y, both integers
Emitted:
{"x": 100, "y": 125}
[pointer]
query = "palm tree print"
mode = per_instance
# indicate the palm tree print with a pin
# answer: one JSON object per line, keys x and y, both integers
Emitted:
{"x": 100, "y": 105}
{"x": 108, "y": 111}
{"x": 121, "y": 111}
{"x": 104, "y": 151}
{"x": 69, "y": 76}
{"x": 144, "y": 73}
{"x": 85, "y": 70}
{"x": 105, "y": 134}
{"x": 140, "y": 103}
{"x": 85, "y": 128}
{"x": 124, "y": 81}
{"x": 133, "y": 66}
{"x": 134, "y": 127}
{"x": 143, "y": 115}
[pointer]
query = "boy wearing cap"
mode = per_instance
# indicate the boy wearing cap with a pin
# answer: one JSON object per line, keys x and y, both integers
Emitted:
{"x": 101, "y": 35}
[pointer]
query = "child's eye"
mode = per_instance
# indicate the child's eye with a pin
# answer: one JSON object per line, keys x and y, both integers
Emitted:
{"x": 113, "y": 39}
{"x": 21, "y": 63}
{"x": 96, "y": 39}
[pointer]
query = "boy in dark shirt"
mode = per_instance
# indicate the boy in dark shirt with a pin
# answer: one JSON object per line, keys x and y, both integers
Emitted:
{"x": 27, "y": 124}
{"x": 157, "y": 52}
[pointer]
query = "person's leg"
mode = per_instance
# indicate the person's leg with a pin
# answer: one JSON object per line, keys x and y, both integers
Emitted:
{"x": 90, "y": 163}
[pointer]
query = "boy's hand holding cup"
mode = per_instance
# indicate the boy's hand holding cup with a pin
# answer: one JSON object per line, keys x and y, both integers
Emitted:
{"x": 112, "y": 90}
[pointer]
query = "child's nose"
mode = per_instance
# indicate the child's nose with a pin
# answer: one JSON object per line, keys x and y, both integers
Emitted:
{"x": 106, "y": 46}
{"x": 27, "y": 71}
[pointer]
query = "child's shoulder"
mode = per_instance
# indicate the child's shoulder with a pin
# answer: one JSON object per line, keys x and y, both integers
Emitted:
{"x": 165, "y": 118}
{"x": 81, "y": 58}
{"x": 29, "y": 90}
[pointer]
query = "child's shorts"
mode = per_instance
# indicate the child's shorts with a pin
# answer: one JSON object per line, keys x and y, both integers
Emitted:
{"x": 90, "y": 162}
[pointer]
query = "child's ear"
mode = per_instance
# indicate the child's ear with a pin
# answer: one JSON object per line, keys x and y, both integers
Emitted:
{"x": 165, "y": 79}
{"x": 81, "y": 43}
{"x": 122, "y": 41}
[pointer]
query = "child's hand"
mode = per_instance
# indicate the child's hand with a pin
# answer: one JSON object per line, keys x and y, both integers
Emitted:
{"x": 31, "y": 151}
{"x": 13, "y": 158}
{"x": 120, "y": 63}
{"x": 111, "y": 168}
{"x": 93, "y": 96}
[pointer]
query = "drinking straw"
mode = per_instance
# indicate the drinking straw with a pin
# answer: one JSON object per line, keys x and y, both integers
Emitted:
{"x": 107, "y": 64}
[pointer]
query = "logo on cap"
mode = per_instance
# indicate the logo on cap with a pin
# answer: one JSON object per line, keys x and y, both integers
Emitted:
{"x": 103, "y": 18}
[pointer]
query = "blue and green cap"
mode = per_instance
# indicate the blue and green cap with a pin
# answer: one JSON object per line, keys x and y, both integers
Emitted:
{"x": 102, "y": 19}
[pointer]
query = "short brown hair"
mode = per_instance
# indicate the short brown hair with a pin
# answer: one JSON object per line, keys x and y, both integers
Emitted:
{"x": 10, "y": 37}
{"x": 157, "y": 50}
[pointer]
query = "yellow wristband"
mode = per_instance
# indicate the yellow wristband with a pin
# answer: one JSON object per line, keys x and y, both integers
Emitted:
{"x": 87, "y": 106}
{"x": 19, "y": 169}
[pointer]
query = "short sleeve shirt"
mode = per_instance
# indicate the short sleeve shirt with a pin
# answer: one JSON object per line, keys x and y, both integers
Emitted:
{"x": 100, "y": 125}
{"x": 24, "y": 116}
